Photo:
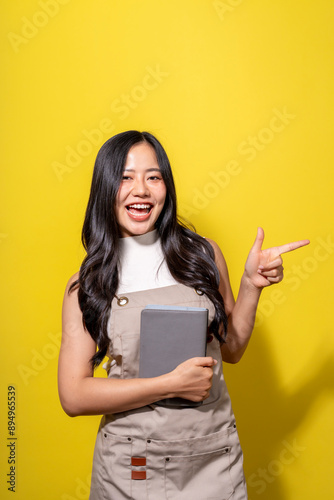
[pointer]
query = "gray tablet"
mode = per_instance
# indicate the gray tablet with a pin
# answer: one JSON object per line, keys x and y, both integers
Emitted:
{"x": 170, "y": 335}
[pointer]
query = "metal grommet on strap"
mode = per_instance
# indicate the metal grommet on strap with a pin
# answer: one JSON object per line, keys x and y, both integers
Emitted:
{"x": 198, "y": 291}
{"x": 122, "y": 301}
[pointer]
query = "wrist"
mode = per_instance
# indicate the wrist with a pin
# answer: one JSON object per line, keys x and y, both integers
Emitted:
{"x": 168, "y": 386}
{"x": 249, "y": 287}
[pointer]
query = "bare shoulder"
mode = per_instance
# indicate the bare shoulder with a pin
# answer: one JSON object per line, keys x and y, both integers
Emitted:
{"x": 74, "y": 291}
{"x": 219, "y": 257}
{"x": 70, "y": 301}
{"x": 72, "y": 280}
{"x": 224, "y": 284}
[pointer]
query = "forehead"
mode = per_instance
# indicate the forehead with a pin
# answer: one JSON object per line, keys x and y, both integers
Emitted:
{"x": 141, "y": 156}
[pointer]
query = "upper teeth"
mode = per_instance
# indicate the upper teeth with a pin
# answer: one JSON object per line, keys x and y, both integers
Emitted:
{"x": 138, "y": 205}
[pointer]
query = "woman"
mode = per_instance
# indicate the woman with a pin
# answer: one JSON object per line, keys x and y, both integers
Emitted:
{"x": 138, "y": 254}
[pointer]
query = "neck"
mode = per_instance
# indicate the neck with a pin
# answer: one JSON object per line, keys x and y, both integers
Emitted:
{"x": 141, "y": 240}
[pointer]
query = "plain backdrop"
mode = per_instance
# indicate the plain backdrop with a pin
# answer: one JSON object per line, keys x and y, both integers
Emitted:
{"x": 240, "y": 93}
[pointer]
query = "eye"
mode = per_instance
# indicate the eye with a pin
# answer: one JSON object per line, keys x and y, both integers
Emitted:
{"x": 155, "y": 178}
{"x": 125, "y": 177}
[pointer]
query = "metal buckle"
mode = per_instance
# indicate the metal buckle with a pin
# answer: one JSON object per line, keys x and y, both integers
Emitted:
{"x": 122, "y": 301}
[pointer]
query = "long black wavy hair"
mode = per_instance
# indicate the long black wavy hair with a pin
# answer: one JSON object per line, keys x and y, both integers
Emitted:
{"x": 189, "y": 257}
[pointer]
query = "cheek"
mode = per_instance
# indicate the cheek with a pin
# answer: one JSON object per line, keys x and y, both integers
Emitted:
{"x": 119, "y": 192}
{"x": 163, "y": 194}
{"x": 162, "y": 201}
{"x": 119, "y": 202}
{"x": 121, "y": 195}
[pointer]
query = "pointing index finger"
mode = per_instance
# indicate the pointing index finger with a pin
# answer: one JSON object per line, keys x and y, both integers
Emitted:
{"x": 289, "y": 247}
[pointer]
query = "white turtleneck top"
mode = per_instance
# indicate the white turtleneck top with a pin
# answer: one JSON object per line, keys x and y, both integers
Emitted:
{"x": 142, "y": 265}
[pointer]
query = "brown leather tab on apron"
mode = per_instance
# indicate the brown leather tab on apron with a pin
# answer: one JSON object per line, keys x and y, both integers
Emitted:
{"x": 138, "y": 474}
{"x": 138, "y": 461}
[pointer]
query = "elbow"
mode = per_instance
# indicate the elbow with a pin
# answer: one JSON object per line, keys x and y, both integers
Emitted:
{"x": 232, "y": 357}
{"x": 231, "y": 353}
{"x": 232, "y": 360}
{"x": 71, "y": 412}
{"x": 71, "y": 396}
{"x": 70, "y": 406}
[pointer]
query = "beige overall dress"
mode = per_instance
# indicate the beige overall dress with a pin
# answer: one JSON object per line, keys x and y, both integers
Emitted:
{"x": 161, "y": 453}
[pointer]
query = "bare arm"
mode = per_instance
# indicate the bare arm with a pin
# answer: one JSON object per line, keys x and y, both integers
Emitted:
{"x": 263, "y": 268}
{"x": 240, "y": 313}
{"x": 83, "y": 394}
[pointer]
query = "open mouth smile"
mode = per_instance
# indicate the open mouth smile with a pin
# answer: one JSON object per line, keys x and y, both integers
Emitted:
{"x": 139, "y": 209}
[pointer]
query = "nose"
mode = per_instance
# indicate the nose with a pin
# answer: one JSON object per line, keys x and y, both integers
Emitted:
{"x": 140, "y": 188}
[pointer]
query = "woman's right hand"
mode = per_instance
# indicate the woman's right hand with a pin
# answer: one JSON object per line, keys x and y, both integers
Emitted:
{"x": 192, "y": 379}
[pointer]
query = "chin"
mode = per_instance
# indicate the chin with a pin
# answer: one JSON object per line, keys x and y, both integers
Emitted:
{"x": 136, "y": 231}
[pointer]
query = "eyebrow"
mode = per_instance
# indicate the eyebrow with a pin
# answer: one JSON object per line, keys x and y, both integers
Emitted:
{"x": 153, "y": 169}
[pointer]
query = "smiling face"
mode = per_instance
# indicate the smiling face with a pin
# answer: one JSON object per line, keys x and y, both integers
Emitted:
{"x": 142, "y": 193}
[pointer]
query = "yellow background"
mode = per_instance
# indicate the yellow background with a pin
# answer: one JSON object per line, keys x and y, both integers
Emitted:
{"x": 208, "y": 78}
